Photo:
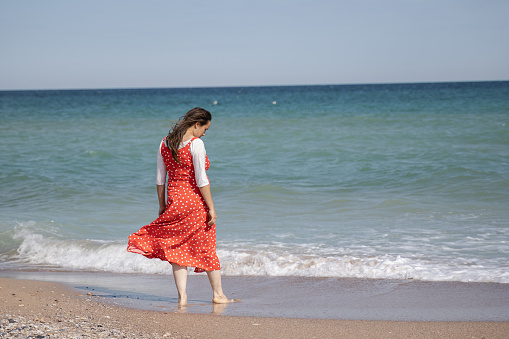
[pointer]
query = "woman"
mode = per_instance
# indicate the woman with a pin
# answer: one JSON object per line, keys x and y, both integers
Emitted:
{"x": 185, "y": 232}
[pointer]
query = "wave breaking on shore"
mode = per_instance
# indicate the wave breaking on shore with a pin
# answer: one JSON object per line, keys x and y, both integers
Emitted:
{"x": 30, "y": 249}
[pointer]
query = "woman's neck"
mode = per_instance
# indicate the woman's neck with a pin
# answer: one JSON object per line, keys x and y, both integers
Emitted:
{"x": 189, "y": 135}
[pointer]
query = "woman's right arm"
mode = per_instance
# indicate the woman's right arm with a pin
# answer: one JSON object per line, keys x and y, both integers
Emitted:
{"x": 202, "y": 181}
{"x": 207, "y": 196}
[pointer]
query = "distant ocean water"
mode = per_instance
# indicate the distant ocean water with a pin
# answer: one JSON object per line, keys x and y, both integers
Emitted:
{"x": 404, "y": 181}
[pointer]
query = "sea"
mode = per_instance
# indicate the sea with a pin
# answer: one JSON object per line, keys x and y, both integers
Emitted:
{"x": 375, "y": 181}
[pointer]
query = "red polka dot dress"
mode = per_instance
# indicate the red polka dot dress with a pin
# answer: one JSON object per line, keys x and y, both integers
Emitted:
{"x": 181, "y": 234}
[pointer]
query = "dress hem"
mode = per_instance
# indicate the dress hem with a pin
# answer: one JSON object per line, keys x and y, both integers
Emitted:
{"x": 147, "y": 255}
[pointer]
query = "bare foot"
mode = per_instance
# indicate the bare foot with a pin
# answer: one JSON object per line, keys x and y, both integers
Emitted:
{"x": 182, "y": 301}
{"x": 181, "y": 309}
{"x": 222, "y": 300}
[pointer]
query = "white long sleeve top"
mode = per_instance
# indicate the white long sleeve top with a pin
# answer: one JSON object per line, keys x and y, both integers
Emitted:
{"x": 198, "y": 153}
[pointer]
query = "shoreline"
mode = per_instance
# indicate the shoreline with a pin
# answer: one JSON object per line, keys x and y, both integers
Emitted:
{"x": 293, "y": 297}
{"x": 30, "y": 307}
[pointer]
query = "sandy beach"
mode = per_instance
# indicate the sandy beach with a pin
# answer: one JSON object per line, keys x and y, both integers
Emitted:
{"x": 40, "y": 309}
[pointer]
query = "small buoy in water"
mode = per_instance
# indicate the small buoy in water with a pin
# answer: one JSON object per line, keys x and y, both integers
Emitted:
{"x": 215, "y": 102}
{"x": 274, "y": 102}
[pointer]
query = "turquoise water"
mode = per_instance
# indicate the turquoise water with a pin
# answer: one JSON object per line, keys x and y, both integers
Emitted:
{"x": 372, "y": 181}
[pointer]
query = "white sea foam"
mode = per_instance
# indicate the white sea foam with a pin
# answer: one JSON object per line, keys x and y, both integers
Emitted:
{"x": 39, "y": 250}
{"x": 98, "y": 255}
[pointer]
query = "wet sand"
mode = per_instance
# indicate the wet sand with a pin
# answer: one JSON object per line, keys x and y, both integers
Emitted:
{"x": 49, "y": 309}
{"x": 296, "y": 297}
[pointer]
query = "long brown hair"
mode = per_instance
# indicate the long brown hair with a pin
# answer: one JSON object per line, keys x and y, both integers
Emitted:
{"x": 180, "y": 128}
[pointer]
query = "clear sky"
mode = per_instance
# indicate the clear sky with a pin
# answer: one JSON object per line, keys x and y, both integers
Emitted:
{"x": 64, "y": 44}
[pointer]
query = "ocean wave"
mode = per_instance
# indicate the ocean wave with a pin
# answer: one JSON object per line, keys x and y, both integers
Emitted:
{"x": 36, "y": 250}
{"x": 70, "y": 254}
{"x": 348, "y": 266}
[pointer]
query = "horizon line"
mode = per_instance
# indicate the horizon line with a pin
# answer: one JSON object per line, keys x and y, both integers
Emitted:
{"x": 251, "y": 86}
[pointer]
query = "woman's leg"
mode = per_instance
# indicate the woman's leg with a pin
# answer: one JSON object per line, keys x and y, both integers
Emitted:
{"x": 180, "y": 276}
{"x": 217, "y": 289}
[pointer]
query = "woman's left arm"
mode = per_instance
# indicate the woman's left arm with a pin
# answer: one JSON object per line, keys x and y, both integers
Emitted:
{"x": 161, "y": 180}
{"x": 161, "y": 196}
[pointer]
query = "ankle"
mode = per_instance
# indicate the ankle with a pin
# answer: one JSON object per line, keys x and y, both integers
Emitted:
{"x": 218, "y": 293}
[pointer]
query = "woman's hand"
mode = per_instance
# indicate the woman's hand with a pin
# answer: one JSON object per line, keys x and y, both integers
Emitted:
{"x": 205, "y": 192}
{"x": 213, "y": 217}
{"x": 161, "y": 196}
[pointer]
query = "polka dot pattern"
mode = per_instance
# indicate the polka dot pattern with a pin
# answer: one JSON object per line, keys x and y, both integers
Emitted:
{"x": 181, "y": 234}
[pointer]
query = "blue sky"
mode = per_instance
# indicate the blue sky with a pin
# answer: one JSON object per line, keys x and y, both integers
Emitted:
{"x": 131, "y": 44}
